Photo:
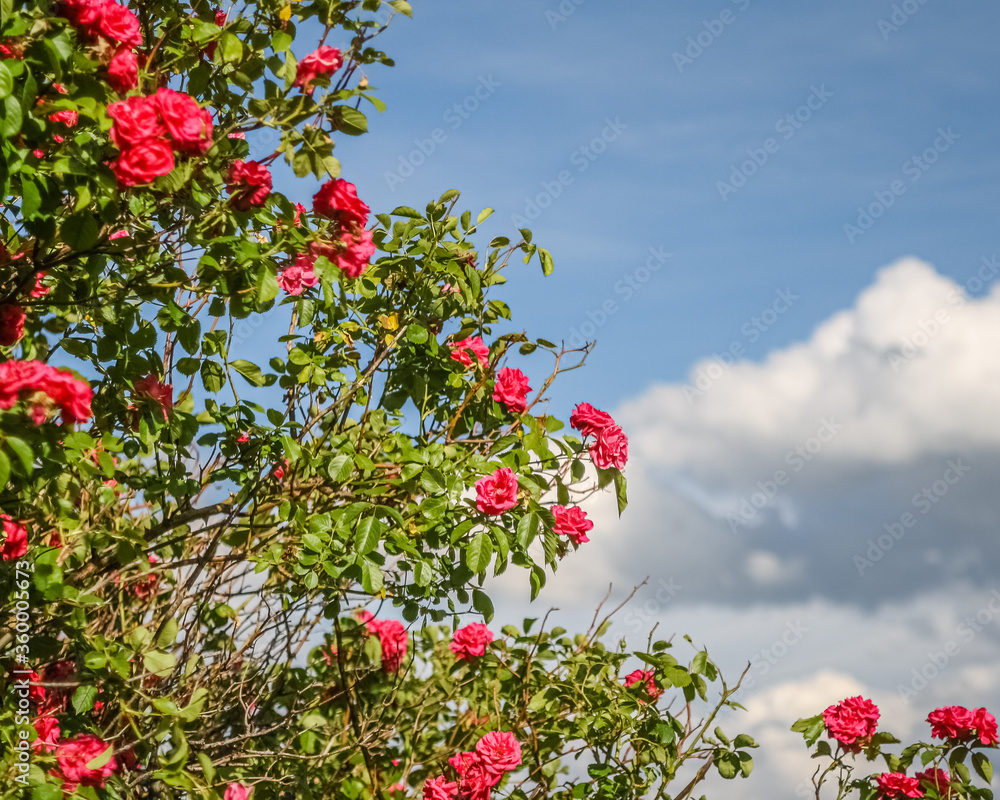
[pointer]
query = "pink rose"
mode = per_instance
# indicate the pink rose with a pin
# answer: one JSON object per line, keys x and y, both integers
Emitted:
{"x": 511, "y": 389}
{"x": 338, "y": 200}
{"x": 499, "y": 752}
{"x": 985, "y": 727}
{"x": 392, "y": 636}
{"x": 359, "y": 249}
{"x": 474, "y": 779}
{"x": 119, "y": 25}
{"x": 299, "y": 211}
{"x": 123, "y": 71}
{"x": 40, "y": 289}
{"x": 572, "y": 522}
{"x": 47, "y": 729}
{"x": 497, "y": 493}
{"x": 852, "y": 722}
{"x": 237, "y": 791}
{"x": 610, "y": 449}
{"x": 588, "y": 420}
{"x": 189, "y": 125}
{"x": 957, "y": 722}
{"x": 153, "y": 390}
{"x": 249, "y": 184}
{"x": 896, "y": 784}
{"x": 11, "y": 324}
{"x": 648, "y": 680}
{"x": 439, "y": 789}
{"x": 71, "y": 395}
{"x": 936, "y": 779}
{"x": 134, "y": 120}
{"x": 298, "y": 275}
{"x": 476, "y": 345}
{"x": 144, "y": 162}
{"x": 470, "y": 642}
{"x": 323, "y": 61}
{"x": 15, "y": 542}
{"x": 73, "y": 755}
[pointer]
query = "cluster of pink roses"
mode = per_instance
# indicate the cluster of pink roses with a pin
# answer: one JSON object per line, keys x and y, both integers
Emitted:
{"x": 853, "y": 721}
{"x": 511, "y": 388}
{"x": 148, "y": 130}
{"x": 610, "y": 446}
{"x": 392, "y": 637}
{"x": 324, "y": 60}
{"x": 470, "y": 642}
{"x": 45, "y": 388}
{"x": 74, "y": 757}
{"x": 477, "y": 771}
{"x": 337, "y": 201}
{"x": 99, "y": 21}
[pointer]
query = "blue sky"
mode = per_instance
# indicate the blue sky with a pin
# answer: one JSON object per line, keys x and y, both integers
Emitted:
{"x": 866, "y": 382}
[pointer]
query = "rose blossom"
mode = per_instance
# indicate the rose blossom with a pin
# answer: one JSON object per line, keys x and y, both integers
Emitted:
{"x": 359, "y": 248}
{"x": 851, "y": 722}
{"x": 937, "y": 779}
{"x": 323, "y": 61}
{"x": 144, "y": 162}
{"x": 47, "y": 729}
{"x": 237, "y": 791}
{"x": 298, "y": 275}
{"x": 249, "y": 184}
{"x": 189, "y": 125}
{"x": 648, "y": 679}
{"x": 299, "y": 211}
{"x": 476, "y": 345}
{"x": 15, "y": 542}
{"x": 470, "y": 642}
{"x": 338, "y": 200}
{"x": 511, "y": 389}
{"x": 896, "y": 784}
{"x": 57, "y": 697}
{"x": 392, "y": 637}
{"x": 152, "y": 389}
{"x": 134, "y": 120}
{"x": 572, "y": 522}
{"x": 588, "y": 420}
{"x": 610, "y": 449}
{"x": 11, "y": 324}
{"x": 439, "y": 789}
{"x": 119, "y": 24}
{"x": 985, "y": 725}
{"x": 499, "y": 752}
{"x": 73, "y": 755}
{"x": 474, "y": 779}
{"x": 123, "y": 70}
{"x": 40, "y": 289}
{"x": 497, "y": 493}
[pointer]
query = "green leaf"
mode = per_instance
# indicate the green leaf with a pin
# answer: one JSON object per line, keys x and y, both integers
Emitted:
{"x": 267, "y": 285}
{"x": 213, "y": 376}
{"x": 367, "y": 535}
{"x": 168, "y": 634}
{"x": 99, "y": 761}
{"x": 6, "y": 81}
{"x": 527, "y": 529}
{"x": 983, "y": 766}
{"x": 406, "y": 211}
{"x": 248, "y": 370}
{"x": 4, "y": 469}
{"x": 159, "y": 663}
{"x": 83, "y": 699}
{"x": 371, "y": 577}
{"x": 479, "y": 553}
{"x": 810, "y": 727}
{"x": 230, "y": 47}
{"x": 547, "y": 263}
{"x": 402, "y": 7}
{"x": 351, "y": 121}
{"x": 10, "y": 122}
{"x": 81, "y": 230}
{"x": 482, "y": 603}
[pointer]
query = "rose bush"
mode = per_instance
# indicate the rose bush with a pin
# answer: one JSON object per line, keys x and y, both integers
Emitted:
{"x": 260, "y": 455}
